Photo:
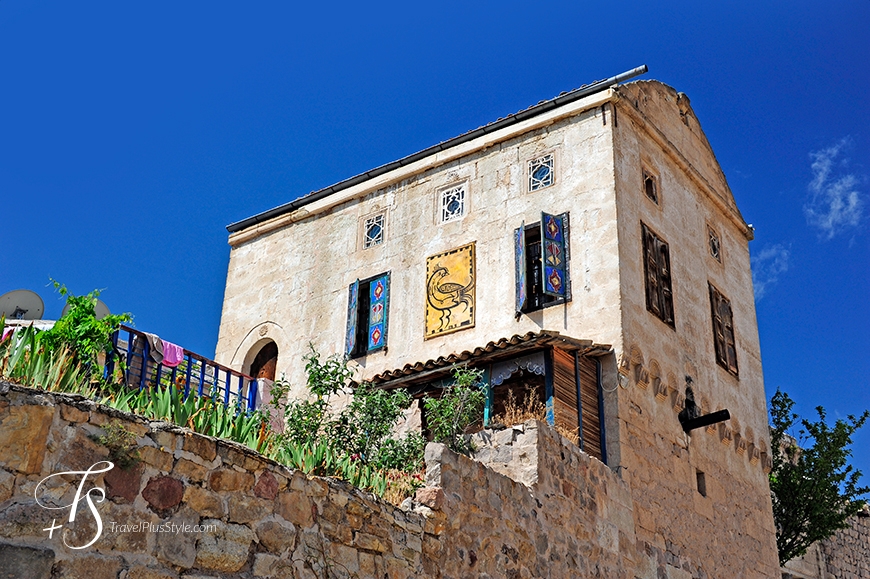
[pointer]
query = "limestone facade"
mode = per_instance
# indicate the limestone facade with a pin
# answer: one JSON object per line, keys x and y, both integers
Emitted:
{"x": 702, "y": 495}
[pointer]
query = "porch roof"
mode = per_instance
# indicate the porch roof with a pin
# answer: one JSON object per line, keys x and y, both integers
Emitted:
{"x": 411, "y": 374}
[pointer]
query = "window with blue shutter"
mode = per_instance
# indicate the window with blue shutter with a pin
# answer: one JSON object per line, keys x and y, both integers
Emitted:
{"x": 368, "y": 306}
{"x": 541, "y": 258}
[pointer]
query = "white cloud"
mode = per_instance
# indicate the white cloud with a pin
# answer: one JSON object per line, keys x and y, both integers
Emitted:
{"x": 767, "y": 266}
{"x": 835, "y": 204}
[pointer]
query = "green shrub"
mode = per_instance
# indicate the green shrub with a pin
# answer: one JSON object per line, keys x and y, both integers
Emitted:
{"x": 459, "y": 407}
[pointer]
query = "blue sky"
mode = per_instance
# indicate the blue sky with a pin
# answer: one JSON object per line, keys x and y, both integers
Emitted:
{"x": 132, "y": 134}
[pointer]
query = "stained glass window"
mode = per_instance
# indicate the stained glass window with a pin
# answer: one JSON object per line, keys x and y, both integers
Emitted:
{"x": 373, "y": 231}
{"x": 541, "y": 172}
{"x": 453, "y": 203}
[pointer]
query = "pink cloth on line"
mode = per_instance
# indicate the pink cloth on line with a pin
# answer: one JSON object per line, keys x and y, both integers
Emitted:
{"x": 172, "y": 354}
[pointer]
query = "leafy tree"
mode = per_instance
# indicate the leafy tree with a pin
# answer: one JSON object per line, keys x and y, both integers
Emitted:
{"x": 458, "y": 408}
{"x": 813, "y": 488}
{"x": 81, "y": 331}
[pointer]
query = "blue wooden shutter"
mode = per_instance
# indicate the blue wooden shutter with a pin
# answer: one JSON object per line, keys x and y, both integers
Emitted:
{"x": 520, "y": 258}
{"x": 352, "y": 315}
{"x": 554, "y": 254}
{"x": 379, "y": 290}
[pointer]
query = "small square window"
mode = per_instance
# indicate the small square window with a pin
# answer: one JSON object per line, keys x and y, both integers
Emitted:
{"x": 452, "y": 204}
{"x": 373, "y": 231}
{"x": 715, "y": 245}
{"x": 541, "y": 172}
{"x": 650, "y": 186}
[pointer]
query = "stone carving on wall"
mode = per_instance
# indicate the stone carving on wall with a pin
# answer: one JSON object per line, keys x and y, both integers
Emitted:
{"x": 678, "y": 401}
{"x": 754, "y": 453}
{"x": 726, "y": 435}
{"x": 450, "y": 280}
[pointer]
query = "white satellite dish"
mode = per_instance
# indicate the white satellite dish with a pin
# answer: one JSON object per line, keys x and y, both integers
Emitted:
{"x": 101, "y": 310}
{"x": 21, "y": 305}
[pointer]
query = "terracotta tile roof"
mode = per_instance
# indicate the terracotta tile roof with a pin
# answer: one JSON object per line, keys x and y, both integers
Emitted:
{"x": 503, "y": 348}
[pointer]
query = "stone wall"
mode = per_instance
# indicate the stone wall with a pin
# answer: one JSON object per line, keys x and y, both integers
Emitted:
{"x": 530, "y": 504}
{"x": 846, "y": 555}
{"x": 262, "y": 519}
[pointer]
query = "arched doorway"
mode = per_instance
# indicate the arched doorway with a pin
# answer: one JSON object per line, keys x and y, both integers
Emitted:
{"x": 265, "y": 362}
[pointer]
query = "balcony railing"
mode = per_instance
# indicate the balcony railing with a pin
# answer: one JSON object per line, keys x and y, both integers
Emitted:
{"x": 195, "y": 374}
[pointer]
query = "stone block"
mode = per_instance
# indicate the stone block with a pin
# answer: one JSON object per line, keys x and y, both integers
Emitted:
{"x": 370, "y": 542}
{"x": 296, "y": 508}
{"x": 267, "y": 486}
{"x": 204, "y": 502}
{"x": 244, "y": 508}
{"x": 165, "y": 440}
{"x": 7, "y": 485}
{"x": 230, "y": 480}
{"x": 190, "y": 470}
{"x": 226, "y": 549}
{"x": 23, "y": 436}
{"x": 73, "y": 414}
{"x": 163, "y": 493}
{"x": 432, "y": 497}
{"x": 157, "y": 458}
{"x": 124, "y": 484}
{"x": 200, "y": 446}
{"x": 141, "y": 572}
{"x": 179, "y": 549}
{"x": 277, "y": 537}
{"x": 90, "y": 566}
{"x": 25, "y": 562}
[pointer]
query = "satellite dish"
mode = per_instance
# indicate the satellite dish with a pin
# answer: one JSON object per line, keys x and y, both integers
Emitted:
{"x": 101, "y": 310}
{"x": 21, "y": 305}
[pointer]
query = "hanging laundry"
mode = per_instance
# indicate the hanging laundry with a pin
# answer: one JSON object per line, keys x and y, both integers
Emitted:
{"x": 172, "y": 354}
{"x": 155, "y": 347}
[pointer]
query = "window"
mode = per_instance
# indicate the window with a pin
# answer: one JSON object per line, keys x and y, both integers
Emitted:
{"x": 541, "y": 252}
{"x": 541, "y": 172}
{"x": 723, "y": 330}
{"x": 657, "y": 269}
{"x": 650, "y": 186}
{"x": 715, "y": 246}
{"x": 701, "y": 480}
{"x": 373, "y": 231}
{"x": 452, "y": 203}
{"x": 368, "y": 302}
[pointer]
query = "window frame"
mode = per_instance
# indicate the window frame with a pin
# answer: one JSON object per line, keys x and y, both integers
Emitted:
{"x": 648, "y": 175}
{"x": 440, "y": 205}
{"x": 359, "y": 317}
{"x": 713, "y": 233}
{"x": 658, "y": 284}
{"x": 364, "y": 222}
{"x": 724, "y": 335}
{"x": 531, "y": 295}
{"x": 536, "y": 162}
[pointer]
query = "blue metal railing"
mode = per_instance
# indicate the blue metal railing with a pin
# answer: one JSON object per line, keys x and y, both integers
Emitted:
{"x": 195, "y": 373}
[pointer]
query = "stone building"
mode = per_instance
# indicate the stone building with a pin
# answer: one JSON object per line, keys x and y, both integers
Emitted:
{"x": 588, "y": 248}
